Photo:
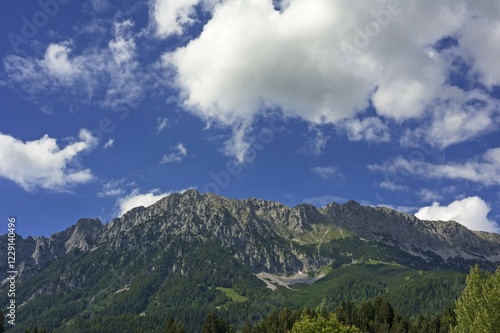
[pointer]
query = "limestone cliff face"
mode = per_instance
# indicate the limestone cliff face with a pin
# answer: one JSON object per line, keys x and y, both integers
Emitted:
{"x": 264, "y": 235}
{"x": 254, "y": 231}
{"x": 36, "y": 252}
{"x": 447, "y": 240}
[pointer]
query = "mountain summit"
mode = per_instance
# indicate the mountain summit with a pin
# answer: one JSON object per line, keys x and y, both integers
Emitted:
{"x": 269, "y": 236}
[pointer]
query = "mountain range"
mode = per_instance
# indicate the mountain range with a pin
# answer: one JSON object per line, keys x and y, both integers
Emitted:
{"x": 191, "y": 253}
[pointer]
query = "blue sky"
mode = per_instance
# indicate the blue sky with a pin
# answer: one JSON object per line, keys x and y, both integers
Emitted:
{"x": 107, "y": 105}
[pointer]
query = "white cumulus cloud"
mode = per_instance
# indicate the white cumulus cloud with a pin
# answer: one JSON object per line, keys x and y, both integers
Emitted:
{"x": 324, "y": 61}
{"x": 484, "y": 47}
{"x": 136, "y": 199}
{"x": 471, "y": 212}
{"x": 43, "y": 164}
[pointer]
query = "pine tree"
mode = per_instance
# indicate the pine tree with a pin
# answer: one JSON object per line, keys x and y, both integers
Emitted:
{"x": 384, "y": 315}
{"x": 478, "y": 308}
{"x": 346, "y": 312}
{"x": 248, "y": 328}
{"x": 320, "y": 324}
{"x": 173, "y": 327}
{"x": 448, "y": 319}
{"x": 214, "y": 324}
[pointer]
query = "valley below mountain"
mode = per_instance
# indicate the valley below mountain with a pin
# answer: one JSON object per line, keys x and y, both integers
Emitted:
{"x": 193, "y": 253}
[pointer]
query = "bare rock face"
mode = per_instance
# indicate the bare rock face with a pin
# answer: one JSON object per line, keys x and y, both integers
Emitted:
{"x": 32, "y": 252}
{"x": 80, "y": 236}
{"x": 252, "y": 230}
{"x": 263, "y": 235}
{"x": 447, "y": 240}
{"x": 84, "y": 235}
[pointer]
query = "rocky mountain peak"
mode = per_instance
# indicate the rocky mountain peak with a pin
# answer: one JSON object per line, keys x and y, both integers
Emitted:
{"x": 86, "y": 225}
{"x": 268, "y": 235}
{"x": 84, "y": 235}
{"x": 193, "y": 194}
{"x": 352, "y": 204}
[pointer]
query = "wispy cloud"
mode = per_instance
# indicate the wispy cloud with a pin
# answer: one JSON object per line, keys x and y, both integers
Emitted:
{"x": 110, "y": 76}
{"x": 327, "y": 172}
{"x": 100, "y": 6}
{"x": 161, "y": 124}
{"x": 315, "y": 145}
{"x": 369, "y": 129}
{"x": 483, "y": 169}
{"x": 109, "y": 143}
{"x": 426, "y": 195}
{"x": 112, "y": 188}
{"x": 179, "y": 152}
{"x": 391, "y": 186}
{"x": 457, "y": 116}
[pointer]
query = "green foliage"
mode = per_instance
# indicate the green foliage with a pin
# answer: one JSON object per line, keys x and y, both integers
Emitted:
{"x": 379, "y": 316}
{"x": 371, "y": 316}
{"x": 135, "y": 291}
{"x": 278, "y": 321}
{"x": 320, "y": 324}
{"x": 426, "y": 292}
{"x": 248, "y": 328}
{"x": 36, "y": 330}
{"x": 478, "y": 308}
{"x": 214, "y": 324}
{"x": 173, "y": 327}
